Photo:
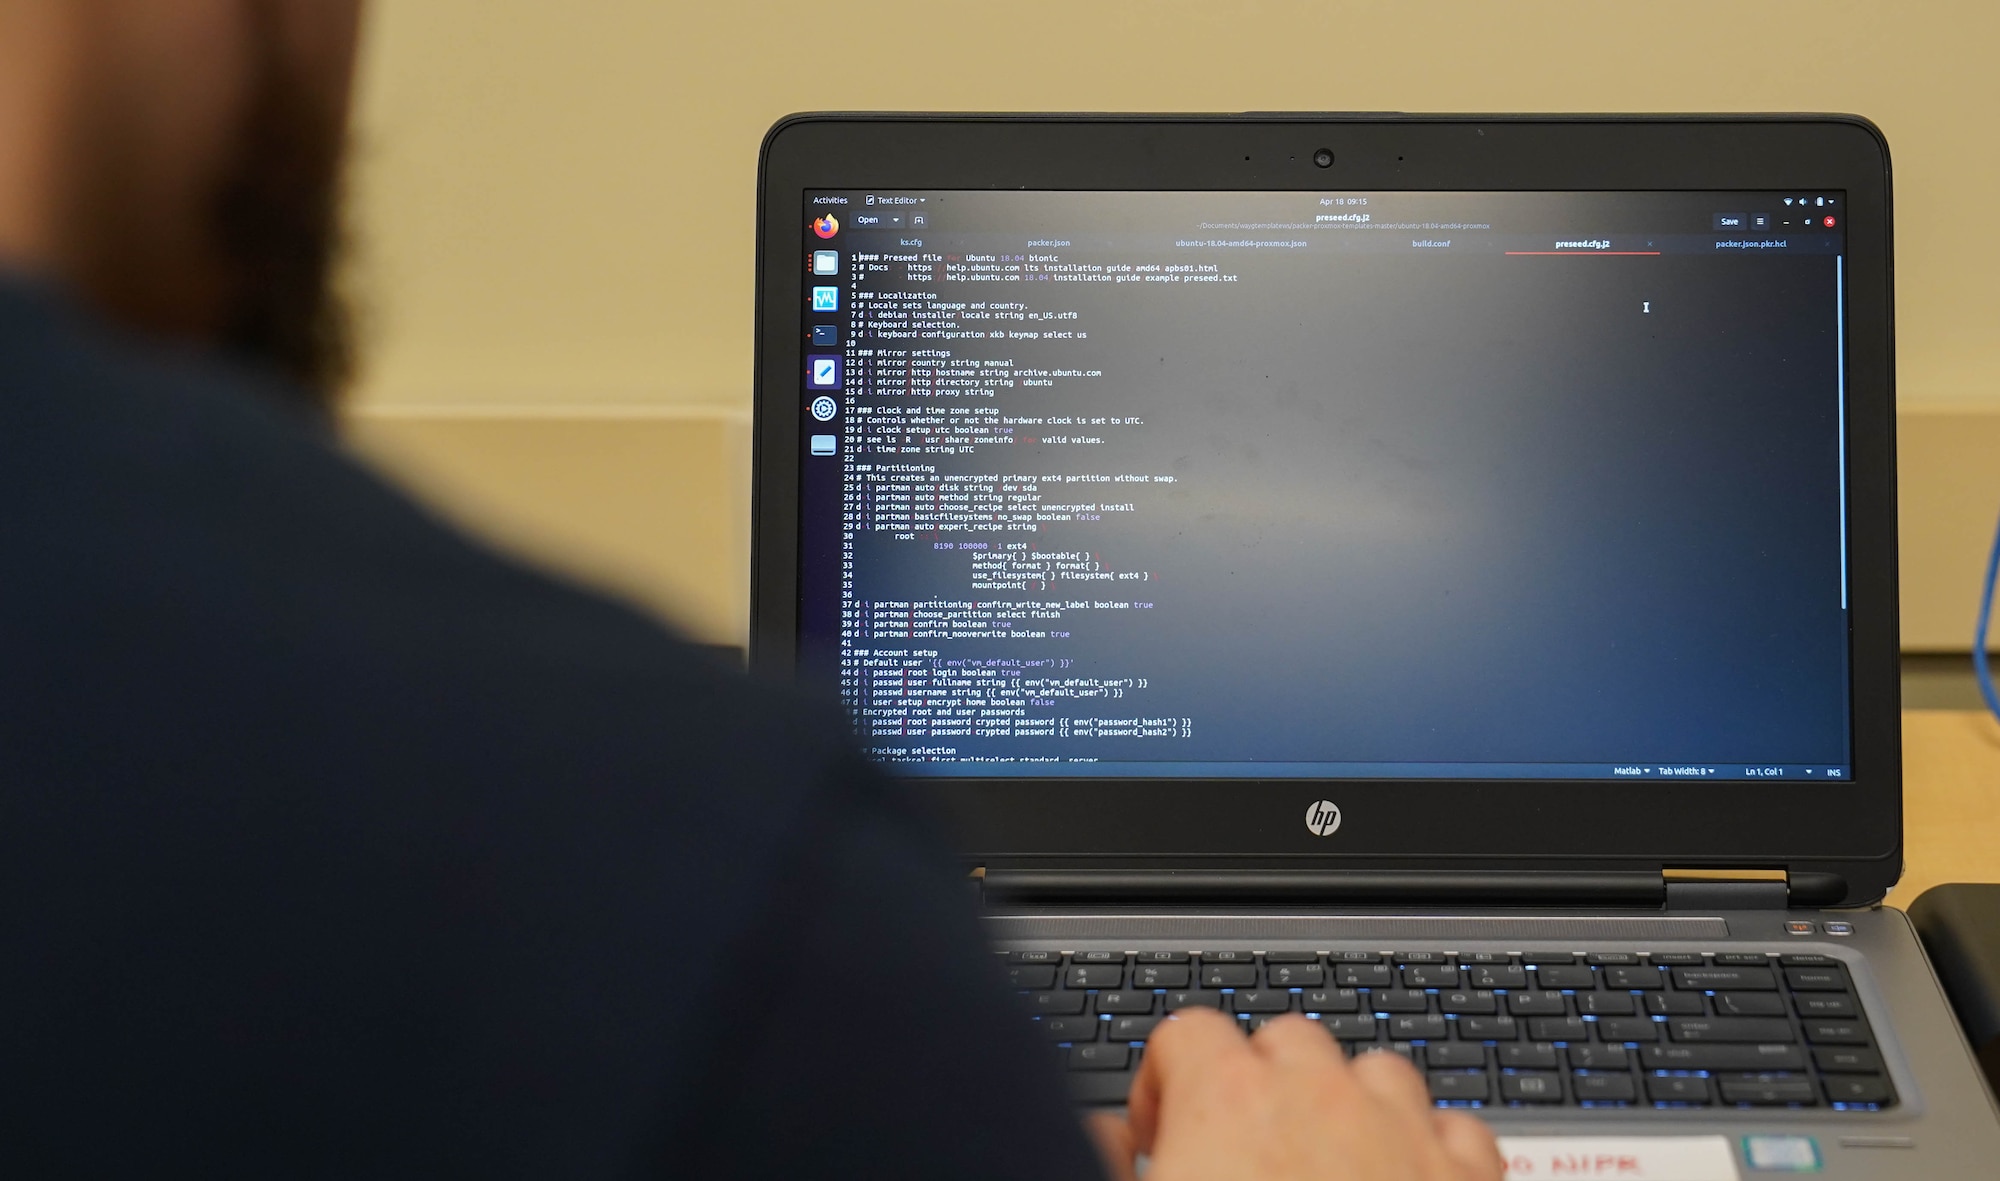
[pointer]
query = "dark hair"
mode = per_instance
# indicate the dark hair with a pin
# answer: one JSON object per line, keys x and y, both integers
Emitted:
{"x": 276, "y": 222}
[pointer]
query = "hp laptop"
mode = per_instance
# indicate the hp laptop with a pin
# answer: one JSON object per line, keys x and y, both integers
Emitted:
{"x": 1437, "y": 575}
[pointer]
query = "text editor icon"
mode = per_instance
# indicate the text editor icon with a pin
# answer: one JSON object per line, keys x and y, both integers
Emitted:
{"x": 823, "y": 373}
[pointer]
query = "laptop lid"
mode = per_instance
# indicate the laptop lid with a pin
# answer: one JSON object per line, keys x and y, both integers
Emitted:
{"x": 1368, "y": 493}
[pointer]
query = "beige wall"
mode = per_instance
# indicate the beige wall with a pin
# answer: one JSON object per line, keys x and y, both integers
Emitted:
{"x": 652, "y": 505}
{"x": 555, "y": 200}
{"x": 1948, "y": 509}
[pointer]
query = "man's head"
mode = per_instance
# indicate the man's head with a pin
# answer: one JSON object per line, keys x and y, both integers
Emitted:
{"x": 178, "y": 163}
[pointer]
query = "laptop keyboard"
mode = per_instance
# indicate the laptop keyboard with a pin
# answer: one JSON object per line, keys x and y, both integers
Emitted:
{"x": 1495, "y": 1029}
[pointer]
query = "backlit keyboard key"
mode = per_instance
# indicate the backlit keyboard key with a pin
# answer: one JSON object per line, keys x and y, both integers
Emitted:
{"x": 1730, "y": 1029}
{"x": 1417, "y": 1027}
{"x": 1130, "y": 1029}
{"x": 1719, "y": 979}
{"x": 1097, "y": 976}
{"x": 1463, "y": 1001}
{"x": 1671, "y": 1089}
{"x": 1603, "y": 1088}
{"x": 1100, "y": 1056}
{"x": 1330, "y": 1000}
{"x": 1857, "y": 1089}
{"x": 1069, "y": 1029}
{"x": 1847, "y": 1059}
{"x": 1399, "y": 1000}
{"x": 1459, "y": 1055}
{"x": 1160, "y": 976}
{"x": 1531, "y": 1087}
{"x": 1537, "y": 1004}
{"x": 1229, "y": 976}
{"x": 1263, "y": 1000}
{"x": 1461, "y": 1087}
{"x": 1031, "y": 976}
{"x": 1125, "y": 1001}
{"x": 1573, "y": 976}
{"x": 1351, "y": 1027}
{"x": 1749, "y": 1004}
{"x": 1527, "y": 1056}
{"x": 1637, "y": 976}
{"x": 1767, "y": 1091}
{"x": 1824, "y": 1004}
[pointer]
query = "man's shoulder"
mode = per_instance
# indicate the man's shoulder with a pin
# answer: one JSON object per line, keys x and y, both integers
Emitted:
{"x": 235, "y": 540}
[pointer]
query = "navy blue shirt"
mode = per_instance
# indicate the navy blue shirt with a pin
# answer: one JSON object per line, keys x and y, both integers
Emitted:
{"x": 332, "y": 844}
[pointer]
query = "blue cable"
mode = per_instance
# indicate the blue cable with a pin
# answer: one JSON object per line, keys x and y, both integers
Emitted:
{"x": 1980, "y": 666}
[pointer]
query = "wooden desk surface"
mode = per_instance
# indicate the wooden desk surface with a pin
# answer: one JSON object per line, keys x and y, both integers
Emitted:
{"x": 1951, "y": 801}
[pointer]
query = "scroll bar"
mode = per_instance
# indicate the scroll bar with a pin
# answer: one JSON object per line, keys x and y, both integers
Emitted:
{"x": 1840, "y": 361}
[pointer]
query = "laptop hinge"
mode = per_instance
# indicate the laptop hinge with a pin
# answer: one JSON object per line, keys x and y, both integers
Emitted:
{"x": 1052, "y": 887}
{"x": 1749, "y": 889}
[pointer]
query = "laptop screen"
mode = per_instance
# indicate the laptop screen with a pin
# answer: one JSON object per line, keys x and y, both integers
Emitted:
{"x": 1522, "y": 485}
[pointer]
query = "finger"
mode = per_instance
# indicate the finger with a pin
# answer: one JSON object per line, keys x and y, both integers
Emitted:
{"x": 1113, "y": 1137}
{"x": 1471, "y": 1145}
{"x": 1393, "y": 1082}
{"x": 1295, "y": 1042}
{"x": 1181, "y": 1051}
{"x": 1401, "y": 1100}
{"x": 1178, "y": 1051}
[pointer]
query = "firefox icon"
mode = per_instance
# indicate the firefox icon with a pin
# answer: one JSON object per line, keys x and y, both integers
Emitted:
{"x": 827, "y": 226}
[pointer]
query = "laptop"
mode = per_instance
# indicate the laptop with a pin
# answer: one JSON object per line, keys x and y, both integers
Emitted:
{"x": 1433, "y": 574}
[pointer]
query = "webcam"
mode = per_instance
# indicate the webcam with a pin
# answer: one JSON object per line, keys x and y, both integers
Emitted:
{"x": 1323, "y": 158}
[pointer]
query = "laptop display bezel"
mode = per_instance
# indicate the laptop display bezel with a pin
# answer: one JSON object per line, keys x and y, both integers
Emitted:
{"x": 1852, "y": 829}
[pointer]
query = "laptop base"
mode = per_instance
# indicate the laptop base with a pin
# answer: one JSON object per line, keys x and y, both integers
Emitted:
{"x": 1772, "y": 1035}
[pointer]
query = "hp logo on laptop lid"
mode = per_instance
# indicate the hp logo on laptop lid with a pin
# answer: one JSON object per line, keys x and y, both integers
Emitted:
{"x": 1322, "y": 818}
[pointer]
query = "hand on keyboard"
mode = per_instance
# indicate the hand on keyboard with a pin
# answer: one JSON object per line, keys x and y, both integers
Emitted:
{"x": 1210, "y": 1104}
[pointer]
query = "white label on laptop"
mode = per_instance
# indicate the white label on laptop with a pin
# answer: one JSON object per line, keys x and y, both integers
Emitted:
{"x": 1633, "y": 1158}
